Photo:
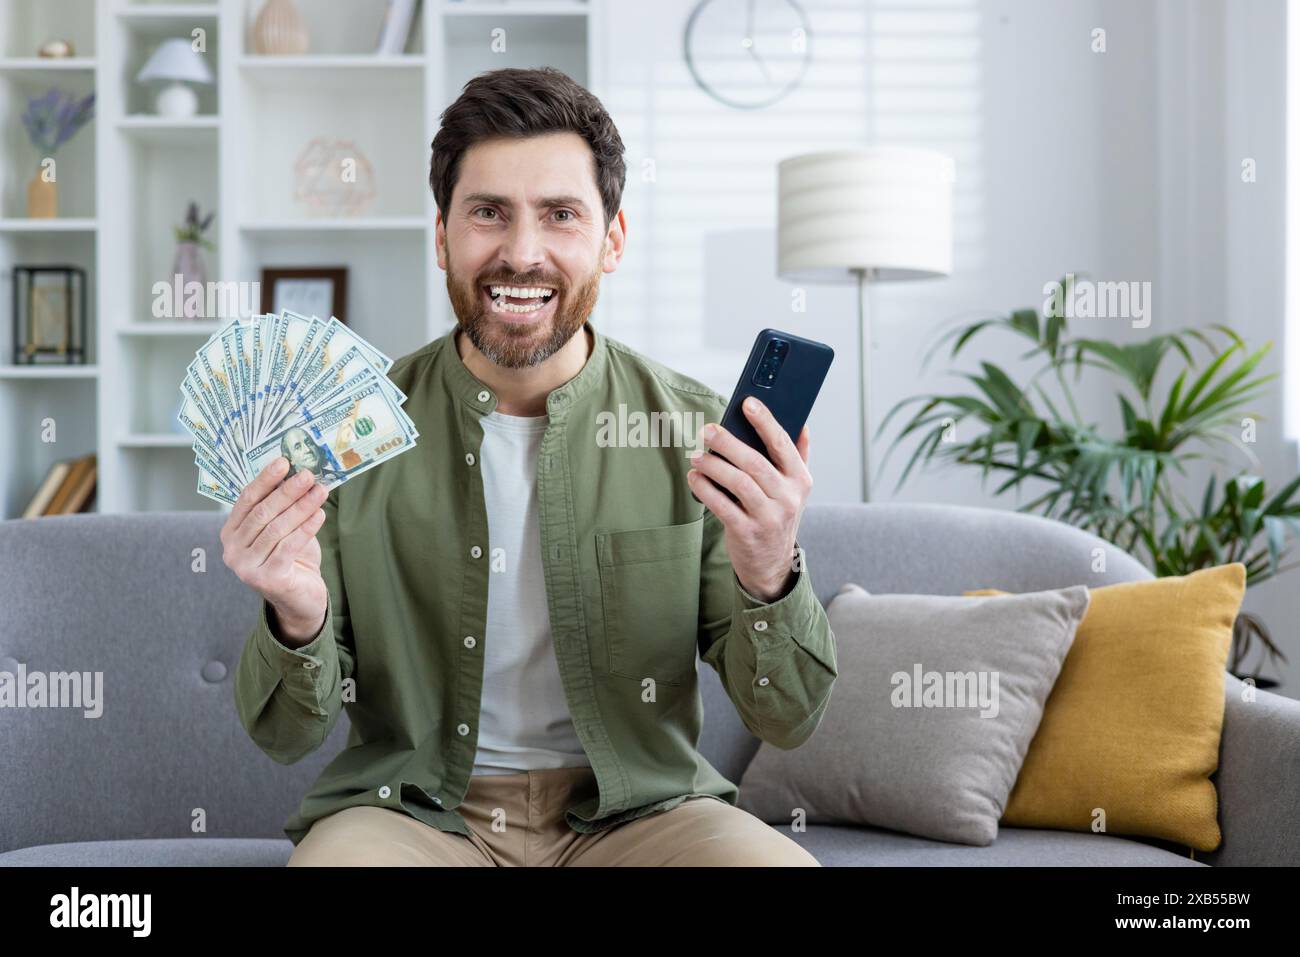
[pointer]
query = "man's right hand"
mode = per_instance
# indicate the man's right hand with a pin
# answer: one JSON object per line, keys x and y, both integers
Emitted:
{"x": 270, "y": 543}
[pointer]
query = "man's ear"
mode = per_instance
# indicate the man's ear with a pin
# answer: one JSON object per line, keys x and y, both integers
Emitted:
{"x": 440, "y": 239}
{"x": 615, "y": 241}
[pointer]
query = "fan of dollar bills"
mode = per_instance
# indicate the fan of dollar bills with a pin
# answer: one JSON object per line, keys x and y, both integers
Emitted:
{"x": 312, "y": 391}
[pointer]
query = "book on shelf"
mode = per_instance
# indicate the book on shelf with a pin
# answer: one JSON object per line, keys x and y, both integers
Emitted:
{"x": 69, "y": 487}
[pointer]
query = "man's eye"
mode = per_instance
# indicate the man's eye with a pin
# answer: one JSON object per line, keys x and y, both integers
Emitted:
{"x": 485, "y": 209}
{"x": 567, "y": 212}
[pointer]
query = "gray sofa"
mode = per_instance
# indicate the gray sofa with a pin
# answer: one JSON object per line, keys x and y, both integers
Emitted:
{"x": 123, "y": 595}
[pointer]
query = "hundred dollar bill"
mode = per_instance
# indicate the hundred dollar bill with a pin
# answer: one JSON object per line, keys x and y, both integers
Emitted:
{"x": 327, "y": 397}
{"x": 217, "y": 467}
{"x": 205, "y": 409}
{"x": 270, "y": 342}
{"x": 212, "y": 477}
{"x": 203, "y": 439}
{"x": 212, "y": 368}
{"x": 352, "y": 370}
{"x": 235, "y": 346}
{"x": 335, "y": 340}
{"x": 213, "y": 489}
{"x": 254, "y": 370}
{"x": 346, "y": 438}
{"x": 330, "y": 339}
{"x": 298, "y": 337}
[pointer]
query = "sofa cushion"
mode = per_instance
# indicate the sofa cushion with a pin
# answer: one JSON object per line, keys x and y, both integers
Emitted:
{"x": 1015, "y": 847}
{"x": 156, "y": 852}
{"x": 1130, "y": 735}
{"x": 832, "y": 846}
{"x": 936, "y": 702}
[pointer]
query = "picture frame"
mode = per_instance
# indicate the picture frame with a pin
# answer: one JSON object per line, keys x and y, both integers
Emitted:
{"x": 308, "y": 290}
{"x": 49, "y": 315}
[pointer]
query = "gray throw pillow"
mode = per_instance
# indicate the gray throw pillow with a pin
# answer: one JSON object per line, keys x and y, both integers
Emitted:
{"x": 930, "y": 718}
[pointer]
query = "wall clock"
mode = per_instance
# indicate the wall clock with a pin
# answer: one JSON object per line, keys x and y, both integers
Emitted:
{"x": 747, "y": 54}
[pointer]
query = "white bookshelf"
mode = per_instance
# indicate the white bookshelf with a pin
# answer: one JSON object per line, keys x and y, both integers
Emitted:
{"x": 137, "y": 172}
{"x": 70, "y": 224}
{"x": 48, "y": 372}
{"x": 67, "y": 395}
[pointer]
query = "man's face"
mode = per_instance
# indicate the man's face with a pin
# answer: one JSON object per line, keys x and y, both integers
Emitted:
{"x": 300, "y": 450}
{"x": 526, "y": 214}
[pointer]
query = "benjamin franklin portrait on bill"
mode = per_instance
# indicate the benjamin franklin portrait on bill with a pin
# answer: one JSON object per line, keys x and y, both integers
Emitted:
{"x": 302, "y": 452}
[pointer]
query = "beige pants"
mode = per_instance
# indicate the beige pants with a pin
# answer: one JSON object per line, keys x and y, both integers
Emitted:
{"x": 518, "y": 820}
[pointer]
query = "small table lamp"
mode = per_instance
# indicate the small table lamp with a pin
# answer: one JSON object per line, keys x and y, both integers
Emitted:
{"x": 879, "y": 213}
{"x": 176, "y": 61}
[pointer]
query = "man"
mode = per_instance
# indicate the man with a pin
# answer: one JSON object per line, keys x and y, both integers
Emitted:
{"x": 511, "y": 610}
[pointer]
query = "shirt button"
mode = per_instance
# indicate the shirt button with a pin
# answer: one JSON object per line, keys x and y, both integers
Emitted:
{"x": 763, "y": 681}
{"x": 309, "y": 665}
{"x": 760, "y": 625}
{"x": 484, "y": 396}
{"x": 462, "y": 729}
{"x": 437, "y": 801}
{"x": 475, "y": 552}
{"x": 469, "y": 641}
{"x": 469, "y": 458}
{"x": 384, "y": 791}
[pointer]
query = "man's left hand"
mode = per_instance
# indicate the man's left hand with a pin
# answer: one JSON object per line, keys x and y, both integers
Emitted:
{"x": 760, "y": 530}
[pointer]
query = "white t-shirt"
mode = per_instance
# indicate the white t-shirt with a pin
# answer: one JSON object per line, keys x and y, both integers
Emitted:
{"x": 524, "y": 721}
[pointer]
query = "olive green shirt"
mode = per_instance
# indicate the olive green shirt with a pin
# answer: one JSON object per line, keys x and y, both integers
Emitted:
{"x": 637, "y": 580}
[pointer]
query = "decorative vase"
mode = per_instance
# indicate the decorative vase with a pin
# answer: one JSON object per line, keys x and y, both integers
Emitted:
{"x": 189, "y": 264}
{"x": 280, "y": 29}
{"x": 42, "y": 198}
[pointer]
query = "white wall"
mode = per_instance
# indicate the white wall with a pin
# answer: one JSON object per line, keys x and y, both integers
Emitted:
{"x": 1055, "y": 148}
{"x": 1254, "y": 81}
{"x": 1123, "y": 165}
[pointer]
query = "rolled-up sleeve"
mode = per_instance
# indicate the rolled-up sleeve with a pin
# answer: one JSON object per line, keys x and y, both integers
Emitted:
{"x": 776, "y": 659}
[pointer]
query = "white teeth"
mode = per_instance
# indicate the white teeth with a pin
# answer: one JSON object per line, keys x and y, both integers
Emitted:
{"x": 522, "y": 292}
{"x": 502, "y": 306}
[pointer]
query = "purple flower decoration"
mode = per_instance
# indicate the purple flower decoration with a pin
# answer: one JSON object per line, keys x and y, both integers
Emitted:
{"x": 192, "y": 230}
{"x": 54, "y": 118}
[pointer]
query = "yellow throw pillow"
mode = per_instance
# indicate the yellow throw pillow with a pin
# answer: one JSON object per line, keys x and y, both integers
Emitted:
{"x": 1131, "y": 729}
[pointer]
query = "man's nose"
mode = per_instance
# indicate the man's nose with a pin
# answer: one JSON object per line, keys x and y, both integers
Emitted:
{"x": 523, "y": 249}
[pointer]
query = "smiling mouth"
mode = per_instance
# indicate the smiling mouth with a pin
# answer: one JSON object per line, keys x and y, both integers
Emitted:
{"x": 519, "y": 300}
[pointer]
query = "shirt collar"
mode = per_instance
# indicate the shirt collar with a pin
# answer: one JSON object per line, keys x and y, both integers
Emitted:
{"x": 463, "y": 384}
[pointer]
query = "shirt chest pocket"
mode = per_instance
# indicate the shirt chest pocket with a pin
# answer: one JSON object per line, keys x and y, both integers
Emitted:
{"x": 650, "y": 590}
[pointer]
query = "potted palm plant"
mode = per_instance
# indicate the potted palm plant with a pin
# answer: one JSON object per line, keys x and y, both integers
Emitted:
{"x": 1031, "y": 439}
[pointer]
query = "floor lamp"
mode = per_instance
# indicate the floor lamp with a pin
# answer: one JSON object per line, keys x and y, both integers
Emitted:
{"x": 865, "y": 215}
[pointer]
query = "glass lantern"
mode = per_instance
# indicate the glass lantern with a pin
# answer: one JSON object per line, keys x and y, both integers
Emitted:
{"x": 49, "y": 315}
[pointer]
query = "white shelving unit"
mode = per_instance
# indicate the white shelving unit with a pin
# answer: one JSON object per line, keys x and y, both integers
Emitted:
{"x": 135, "y": 172}
{"x": 30, "y": 396}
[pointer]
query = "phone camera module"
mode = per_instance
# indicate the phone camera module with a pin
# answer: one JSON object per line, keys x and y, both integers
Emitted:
{"x": 770, "y": 365}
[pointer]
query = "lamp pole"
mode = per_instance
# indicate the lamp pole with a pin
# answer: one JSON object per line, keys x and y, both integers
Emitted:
{"x": 864, "y": 373}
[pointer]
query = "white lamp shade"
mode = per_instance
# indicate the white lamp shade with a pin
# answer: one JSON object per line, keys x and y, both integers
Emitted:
{"x": 887, "y": 209}
{"x": 175, "y": 59}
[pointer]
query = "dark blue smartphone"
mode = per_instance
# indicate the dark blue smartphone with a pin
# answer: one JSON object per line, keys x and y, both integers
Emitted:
{"x": 785, "y": 372}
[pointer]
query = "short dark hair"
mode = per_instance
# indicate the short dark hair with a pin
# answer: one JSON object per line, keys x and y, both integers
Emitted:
{"x": 522, "y": 103}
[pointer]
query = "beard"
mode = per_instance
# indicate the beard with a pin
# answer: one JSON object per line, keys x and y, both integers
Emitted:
{"x": 515, "y": 346}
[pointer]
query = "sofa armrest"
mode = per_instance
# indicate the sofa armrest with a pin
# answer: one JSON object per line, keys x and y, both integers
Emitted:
{"x": 1258, "y": 780}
